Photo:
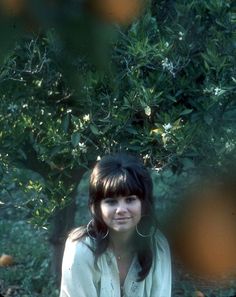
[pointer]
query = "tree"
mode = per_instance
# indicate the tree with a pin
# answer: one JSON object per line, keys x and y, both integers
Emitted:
{"x": 162, "y": 88}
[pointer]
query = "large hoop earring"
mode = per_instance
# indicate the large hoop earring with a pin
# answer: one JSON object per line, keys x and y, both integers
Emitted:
{"x": 89, "y": 233}
{"x": 152, "y": 231}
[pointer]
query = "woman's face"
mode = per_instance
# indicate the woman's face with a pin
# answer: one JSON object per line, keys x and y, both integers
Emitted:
{"x": 121, "y": 214}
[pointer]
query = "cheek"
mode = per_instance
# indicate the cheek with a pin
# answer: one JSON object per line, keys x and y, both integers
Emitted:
{"x": 105, "y": 211}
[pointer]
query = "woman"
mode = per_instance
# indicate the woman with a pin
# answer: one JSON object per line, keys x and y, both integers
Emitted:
{"x": 120, "y": 252}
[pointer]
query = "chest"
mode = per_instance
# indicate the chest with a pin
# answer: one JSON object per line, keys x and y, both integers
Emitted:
{"x": 119, "y": 277}
{"x": 123, "y": 268}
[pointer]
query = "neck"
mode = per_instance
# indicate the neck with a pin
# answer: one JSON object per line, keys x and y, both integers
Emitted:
{"x": 121, "y": 241}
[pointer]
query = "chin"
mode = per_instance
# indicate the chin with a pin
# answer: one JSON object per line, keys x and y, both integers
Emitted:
{"x": 124, "y": 229}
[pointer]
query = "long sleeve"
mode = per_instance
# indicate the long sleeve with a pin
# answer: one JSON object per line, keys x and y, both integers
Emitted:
{"x": 79, "y": 276}
{"x": 161, "y": 280}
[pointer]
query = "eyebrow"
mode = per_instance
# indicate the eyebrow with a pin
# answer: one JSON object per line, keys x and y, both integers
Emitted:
{"x": 117, "y": 197}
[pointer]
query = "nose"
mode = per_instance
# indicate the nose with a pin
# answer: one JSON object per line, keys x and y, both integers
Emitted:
{"x": 121, "y": 207}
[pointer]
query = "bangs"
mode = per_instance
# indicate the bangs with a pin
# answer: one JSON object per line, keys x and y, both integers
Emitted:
{"x": 120, "y": 184}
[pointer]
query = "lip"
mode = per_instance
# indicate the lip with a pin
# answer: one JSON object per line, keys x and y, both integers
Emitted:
{"x": 122, "y": 219}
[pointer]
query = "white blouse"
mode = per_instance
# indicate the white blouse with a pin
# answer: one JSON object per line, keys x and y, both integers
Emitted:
{"x": 81, "y": 278}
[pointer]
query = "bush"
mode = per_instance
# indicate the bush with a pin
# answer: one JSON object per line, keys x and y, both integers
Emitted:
{"x": 30, "y": 273}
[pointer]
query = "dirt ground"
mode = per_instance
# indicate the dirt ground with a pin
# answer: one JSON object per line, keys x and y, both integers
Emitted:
{"x": 186, "y": 284}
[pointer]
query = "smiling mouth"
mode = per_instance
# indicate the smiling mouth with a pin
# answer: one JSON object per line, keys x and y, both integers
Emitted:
{"x": 122, "y": 219}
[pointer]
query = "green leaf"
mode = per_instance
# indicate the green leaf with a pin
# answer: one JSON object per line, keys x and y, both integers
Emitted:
{"x": 75, "y": 139}
{"x": 65, "y": 123}
{"x": 143, "y": 104}
{"x": 94, "y": 129}
{"x": 131, "y": 130}
{"x": 186, "y": 111}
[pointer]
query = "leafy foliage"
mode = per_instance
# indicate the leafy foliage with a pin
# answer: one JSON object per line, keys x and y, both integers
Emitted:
{"x": 30, "y": 274}
{"x": 165, "y": 90}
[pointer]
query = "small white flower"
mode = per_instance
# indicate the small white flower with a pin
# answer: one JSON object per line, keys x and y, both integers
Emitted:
{"x": 217, "y": 91}
{"x": 74, "y": 152}
{"x": 181, "y": 34}
{"x": 168, "y": 65}
{"x": 82, "y": 147}
{"x": 39, "y": 83}
{"x": 167, "y": 126}
{"x": 12, "y": 107}
{"x": 82, "y": 144}
{"x": 148, "y": 110}
{"x": 229, "y": 146}
{"x": 86, "y": 118}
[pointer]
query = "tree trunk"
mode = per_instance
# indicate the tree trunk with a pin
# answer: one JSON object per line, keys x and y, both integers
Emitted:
{"x": 62, "y": 223}
{"x": 63, "y": 219}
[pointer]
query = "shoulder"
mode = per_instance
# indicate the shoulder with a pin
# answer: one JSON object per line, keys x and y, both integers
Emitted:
{"x": 160, "y": 239}
{"x": 161, "y": 244}
{"x": 78, "y": 271}
{"x": 78, "y": 251}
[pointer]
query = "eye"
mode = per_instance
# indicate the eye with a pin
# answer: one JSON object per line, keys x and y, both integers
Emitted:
{"x": 131, "y": 199}
{"x": 110, "y": 201}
